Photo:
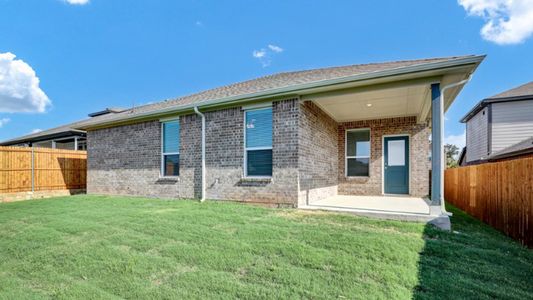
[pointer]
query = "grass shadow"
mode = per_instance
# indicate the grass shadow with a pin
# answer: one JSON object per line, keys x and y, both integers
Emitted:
{"x": 473, "y": 261}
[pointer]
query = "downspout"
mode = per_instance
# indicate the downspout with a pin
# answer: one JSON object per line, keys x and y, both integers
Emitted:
{"x": 443, "y": 161}
{"x": 203, "y": 151}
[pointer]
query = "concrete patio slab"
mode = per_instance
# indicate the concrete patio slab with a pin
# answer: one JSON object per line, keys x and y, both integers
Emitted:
{"x": 397, "y": 204}
{"x": 402, "y": 208}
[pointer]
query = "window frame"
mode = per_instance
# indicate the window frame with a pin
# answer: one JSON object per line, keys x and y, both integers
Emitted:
{"x": 346, "y": 157}
{"x": 163, "y": 153}
{"x": 246, "y": 149}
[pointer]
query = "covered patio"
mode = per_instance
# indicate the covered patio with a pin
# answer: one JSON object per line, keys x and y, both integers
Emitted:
{"x": 406, "y": 208}
{"x": 368, "y": 148}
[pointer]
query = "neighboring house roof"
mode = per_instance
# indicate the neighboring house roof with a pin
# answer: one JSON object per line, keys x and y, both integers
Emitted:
{"x": 53, "y": 133}
{"x": 62, "y": 131}
{"x": 520, "y": 91}
{"x": 523, "y": 147}
{"x": 523, "y": 92}
{"x": 282, "y": 84}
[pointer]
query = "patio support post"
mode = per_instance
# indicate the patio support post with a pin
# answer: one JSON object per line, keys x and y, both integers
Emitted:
{"x": 436, "y": 146}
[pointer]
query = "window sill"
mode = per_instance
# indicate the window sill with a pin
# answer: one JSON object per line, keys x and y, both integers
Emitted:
{"x": 356, "y": 177}
{"x": 168, "y": 179}
{"x": 256, "y": 179}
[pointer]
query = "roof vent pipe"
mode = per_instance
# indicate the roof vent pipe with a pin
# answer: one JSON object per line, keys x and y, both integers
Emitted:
{"x": 203, "y": 151}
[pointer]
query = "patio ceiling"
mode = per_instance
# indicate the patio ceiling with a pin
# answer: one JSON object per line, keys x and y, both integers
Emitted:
{"x": 374, "y": 104}
{"x": 401, "y": 98}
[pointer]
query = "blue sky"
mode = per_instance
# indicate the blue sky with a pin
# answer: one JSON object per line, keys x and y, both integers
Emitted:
{"x": 88, "y": 55}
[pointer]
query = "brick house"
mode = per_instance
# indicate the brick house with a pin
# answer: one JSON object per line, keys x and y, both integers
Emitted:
{"x": 289, "y": 139}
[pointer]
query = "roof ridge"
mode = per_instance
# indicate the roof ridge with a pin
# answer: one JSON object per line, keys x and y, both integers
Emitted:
{"x": 132, "y": 110}
{"x": 375, "y": 63}
{"x": 502, "y": 94}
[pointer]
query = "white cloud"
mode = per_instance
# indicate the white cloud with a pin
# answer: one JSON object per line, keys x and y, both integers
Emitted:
{"x": 457, "y": 140}
{"x": 77, "y": 2}
{"x": 199, "y": 23}
{"x": 506, "y": 21}
{"x": 275, "y": 48}
{"x": 4, "y": 121}
{"x": 36, "y": 130}
{"x": 259, "y": 53}
{"x": 19, "y": 87}
{"x": 264, "y": 55}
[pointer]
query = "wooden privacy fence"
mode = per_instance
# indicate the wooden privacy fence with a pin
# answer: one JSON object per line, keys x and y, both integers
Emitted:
{"x": 499, "y": 194}
{"x": 41, "y": 169}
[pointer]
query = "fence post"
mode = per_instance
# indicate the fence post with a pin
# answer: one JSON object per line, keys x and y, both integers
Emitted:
{"x": 32, "y": 169}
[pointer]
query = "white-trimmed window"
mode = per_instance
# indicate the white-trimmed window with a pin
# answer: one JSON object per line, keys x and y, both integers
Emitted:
{"x": 258, "y": 142}
{"x": 357, "y": 152}
{"x": 170, "y": 148}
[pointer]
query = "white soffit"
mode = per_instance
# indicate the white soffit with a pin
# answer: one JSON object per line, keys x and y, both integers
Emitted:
{"x": 376, "y": 104}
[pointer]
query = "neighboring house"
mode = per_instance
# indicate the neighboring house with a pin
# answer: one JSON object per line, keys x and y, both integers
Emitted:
{"x": 521, "y": 149}
{"x": 62, "y": 137}
{"x": 499, "y": 126}
{"x": 287, "y": 139}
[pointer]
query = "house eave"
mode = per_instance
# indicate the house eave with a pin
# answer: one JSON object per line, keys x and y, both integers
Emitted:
{"x": 485, "y": 102}
{"x": 293, "y": 91}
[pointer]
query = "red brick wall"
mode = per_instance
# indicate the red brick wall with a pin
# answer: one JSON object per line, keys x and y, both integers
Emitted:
{"x": 419, "y": 155}
{"x": 318, "y": 162}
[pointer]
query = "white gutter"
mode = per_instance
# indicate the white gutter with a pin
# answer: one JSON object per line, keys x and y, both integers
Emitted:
{"x": 443, "y": 161}
{"x": 298, "y": 88}
{"x": 203, "y": 151}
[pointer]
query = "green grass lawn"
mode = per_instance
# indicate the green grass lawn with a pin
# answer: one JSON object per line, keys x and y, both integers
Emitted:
{"x": 121, "y": 247}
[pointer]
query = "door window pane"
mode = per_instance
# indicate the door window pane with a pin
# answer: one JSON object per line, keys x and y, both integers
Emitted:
{"x": 396, "y": 154}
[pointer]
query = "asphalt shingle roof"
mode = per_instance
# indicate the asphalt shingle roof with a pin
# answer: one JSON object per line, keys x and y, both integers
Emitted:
{"x": 56, "y": 130}
{"x": 520, "y": 91}
{"x": 275, "y": 81}
{"x": 524, "y": 146}
{"x": 258, "y": 85}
